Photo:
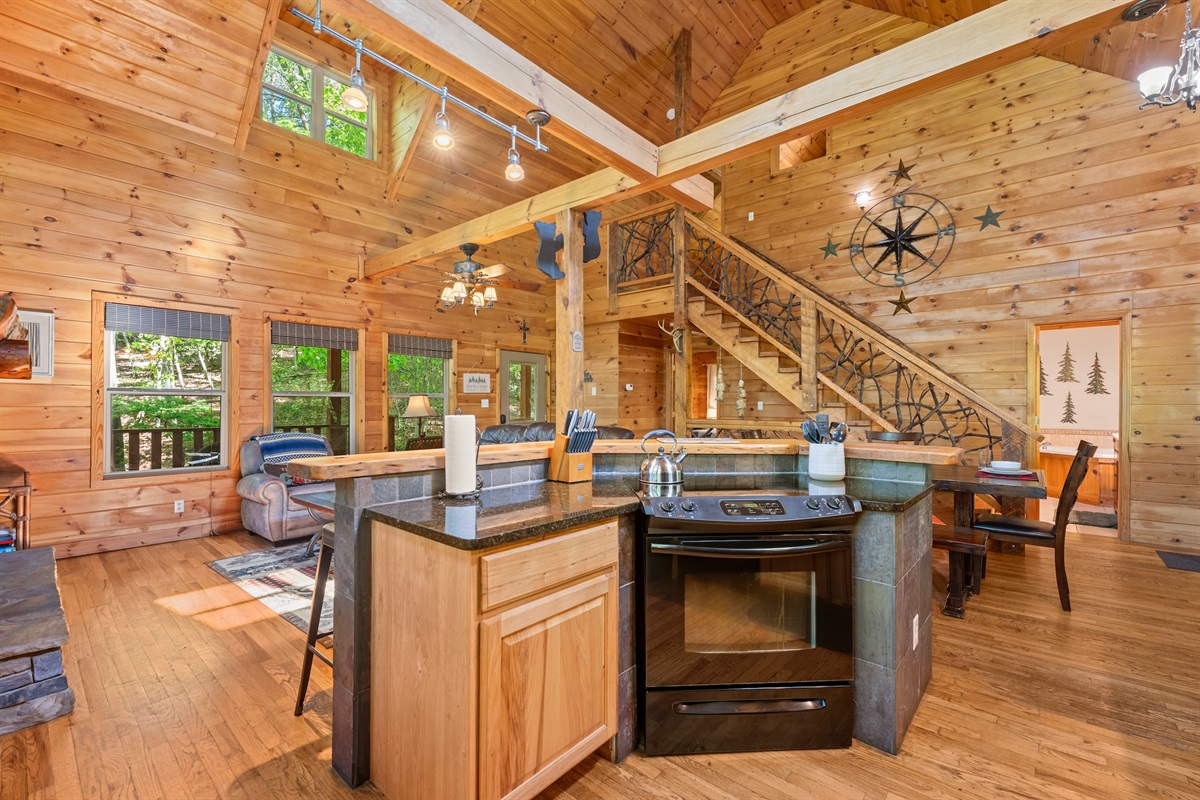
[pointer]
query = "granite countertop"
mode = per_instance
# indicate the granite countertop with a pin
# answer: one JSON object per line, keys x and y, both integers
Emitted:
{"x": 531, "y": 510}
{"x": 510, "y": 513}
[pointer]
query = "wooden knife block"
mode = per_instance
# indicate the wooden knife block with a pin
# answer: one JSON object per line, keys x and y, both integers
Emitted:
{"x": 568, "y": 467}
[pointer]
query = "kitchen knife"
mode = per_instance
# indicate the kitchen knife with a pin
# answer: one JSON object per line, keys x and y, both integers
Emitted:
{"x": 567, "y": 423}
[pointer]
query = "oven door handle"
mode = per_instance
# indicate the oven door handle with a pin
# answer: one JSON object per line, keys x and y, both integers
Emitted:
{"x": 709, "y": 551}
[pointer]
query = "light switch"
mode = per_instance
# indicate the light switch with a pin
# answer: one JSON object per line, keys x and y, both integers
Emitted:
{"x": 484, "y": 403}
{"x": 750, "y": 217}
{"x": 593, "y": 391}
{"x": 760, "y": 405}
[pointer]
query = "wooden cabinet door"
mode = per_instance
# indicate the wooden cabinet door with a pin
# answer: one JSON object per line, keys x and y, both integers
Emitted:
{"x": 547, "y": 686}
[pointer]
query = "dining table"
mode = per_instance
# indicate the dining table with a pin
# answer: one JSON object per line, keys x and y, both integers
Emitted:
{"x": 965, "y": 482}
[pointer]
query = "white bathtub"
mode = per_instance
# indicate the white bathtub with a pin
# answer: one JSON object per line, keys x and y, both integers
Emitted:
{"x": 1063, "y": 450}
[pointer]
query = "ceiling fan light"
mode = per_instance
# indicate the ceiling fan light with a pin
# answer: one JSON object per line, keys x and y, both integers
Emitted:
{"x": 442, "y": 138}
{"x": 514, "y": 171}
{"x": 447, "y": 296}
{"x": 476, "y": 299}
{"x": 459, "y": 292}
{"x": 354, "y": 97}
{"x": 489, "y": 295}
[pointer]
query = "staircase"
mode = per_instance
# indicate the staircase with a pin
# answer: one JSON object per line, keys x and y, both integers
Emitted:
{"x": 818, "y": 354}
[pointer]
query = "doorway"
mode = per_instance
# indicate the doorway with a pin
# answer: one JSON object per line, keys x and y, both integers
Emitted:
{"x": 523, "y": 386}
{"x": 1079, "y": 371}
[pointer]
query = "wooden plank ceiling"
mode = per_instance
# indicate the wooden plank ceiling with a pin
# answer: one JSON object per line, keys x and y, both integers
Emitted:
{"x": 191, "y": 64}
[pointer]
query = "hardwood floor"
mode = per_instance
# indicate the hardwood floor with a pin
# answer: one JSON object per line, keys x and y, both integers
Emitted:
{"x": 185, "y": 687}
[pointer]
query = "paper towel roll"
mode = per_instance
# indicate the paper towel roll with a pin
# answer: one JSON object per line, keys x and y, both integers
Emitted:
{"x": 460, "y": 453}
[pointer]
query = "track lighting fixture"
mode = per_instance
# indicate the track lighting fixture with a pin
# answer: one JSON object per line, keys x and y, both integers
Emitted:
{"x": 514, "y": 171}
{"x": 354, "y": 97}
{"x": 442, "y": 138}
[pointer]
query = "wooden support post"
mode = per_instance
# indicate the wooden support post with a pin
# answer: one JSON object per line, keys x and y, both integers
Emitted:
{"x": 568, "y": 318}
{"x": 681, "y": 353}
{"x": 808, "y": 354}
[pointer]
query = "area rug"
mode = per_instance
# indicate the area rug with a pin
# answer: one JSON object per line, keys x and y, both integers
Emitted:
{"x": 282, "y": 579}
{"x": 1096, "y": 519}
{"x": 1180, "y": 561}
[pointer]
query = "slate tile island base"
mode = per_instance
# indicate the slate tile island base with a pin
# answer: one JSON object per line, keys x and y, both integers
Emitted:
{"x": 33, "y": 688}
{"x": 892, "y": 573}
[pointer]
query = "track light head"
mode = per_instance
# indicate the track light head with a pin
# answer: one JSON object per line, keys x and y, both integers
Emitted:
{"x": 514, "y": 171}
{"x": 354, "y": 97}
{"x": 442, "y": 138}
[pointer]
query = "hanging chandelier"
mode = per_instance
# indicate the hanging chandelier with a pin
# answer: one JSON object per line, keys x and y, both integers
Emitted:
{"x": 1166, "y": 86}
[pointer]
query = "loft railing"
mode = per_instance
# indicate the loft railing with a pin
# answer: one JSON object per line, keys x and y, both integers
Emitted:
{"x": 862, "y": 364}
{"x": 169, "y": 448}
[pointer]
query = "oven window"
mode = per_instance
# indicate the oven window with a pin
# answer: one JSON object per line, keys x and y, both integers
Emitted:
{"x": 755, "y": 612}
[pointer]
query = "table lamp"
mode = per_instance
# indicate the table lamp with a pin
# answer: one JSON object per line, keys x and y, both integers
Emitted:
{"x": 418, "y": 409}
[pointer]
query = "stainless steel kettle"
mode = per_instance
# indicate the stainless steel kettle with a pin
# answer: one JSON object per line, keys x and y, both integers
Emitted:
{"x": 662, "y": 468}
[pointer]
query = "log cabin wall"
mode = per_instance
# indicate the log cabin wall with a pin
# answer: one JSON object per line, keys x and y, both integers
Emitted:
{"x": 101, "y": 198}
{"x": 1099, "y": 221}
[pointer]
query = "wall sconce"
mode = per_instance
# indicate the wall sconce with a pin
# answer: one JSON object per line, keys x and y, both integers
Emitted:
{"x": 442, "y": 138}
{"x": 862, "y": 198}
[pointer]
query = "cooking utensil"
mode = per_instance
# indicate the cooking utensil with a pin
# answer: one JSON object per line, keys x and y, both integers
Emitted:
{"x": 808, "y": 429}
{"x": 838, "y": 432}
{"x": 664, "y": 467}
{"x": 823, "y": 427}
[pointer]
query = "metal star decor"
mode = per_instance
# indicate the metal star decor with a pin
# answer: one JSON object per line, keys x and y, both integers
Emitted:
{"x": 902, "y": 303}
{"x": 989, "y": 217}
{"x": 830, "y": 249}
{"x": 902, "y": 172}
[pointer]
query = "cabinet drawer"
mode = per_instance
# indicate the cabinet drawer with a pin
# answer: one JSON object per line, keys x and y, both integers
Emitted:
{"x": 526, "y": 570}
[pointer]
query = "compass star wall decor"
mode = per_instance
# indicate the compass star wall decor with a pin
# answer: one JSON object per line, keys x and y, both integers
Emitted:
{"x": 902, "y": 239}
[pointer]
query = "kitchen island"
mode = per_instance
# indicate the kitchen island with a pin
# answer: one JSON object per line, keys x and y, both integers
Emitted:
{"x": 892, "y": 554}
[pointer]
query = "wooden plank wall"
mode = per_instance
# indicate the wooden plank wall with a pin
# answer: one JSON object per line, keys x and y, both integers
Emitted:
{"x": 1099, "y": 203}
{"x": 643, "y": 365}
{"x": 100, "y": 198}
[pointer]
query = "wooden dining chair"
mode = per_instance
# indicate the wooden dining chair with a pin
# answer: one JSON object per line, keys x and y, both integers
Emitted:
{"x": 1020, "y": 530}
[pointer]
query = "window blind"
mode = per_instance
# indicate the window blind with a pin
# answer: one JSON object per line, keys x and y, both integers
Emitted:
{"x": 420, "y": 346}
{"x": 306, "y": 335}
{"x": 165, "y": 322}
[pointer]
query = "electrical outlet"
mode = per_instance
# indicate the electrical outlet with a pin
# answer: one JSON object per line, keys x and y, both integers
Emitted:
{"x": 178, "y": 506}
{"x": 750, "y": 217}
{"x": 916, "y": 629}
{"x": 593, "y": 391}
{"x": 760, "y": 405}
{"x": 483, "y": 403}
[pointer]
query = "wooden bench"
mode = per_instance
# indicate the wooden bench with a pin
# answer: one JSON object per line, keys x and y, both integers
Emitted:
{"x": 968, "y": 549}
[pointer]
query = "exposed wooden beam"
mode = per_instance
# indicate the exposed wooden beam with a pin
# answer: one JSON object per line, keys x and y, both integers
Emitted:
{"x": 586, "y": 192}
{"x": 436, "y": 34}
{"x": 1000, "y": 35}
{"x": 414, "y": 106}
{"x": 683, "y": 83}
{"x": 254, "y": 86}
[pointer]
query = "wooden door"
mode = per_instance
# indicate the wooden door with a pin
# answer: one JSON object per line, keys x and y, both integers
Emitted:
{"x": 547, "y": 686}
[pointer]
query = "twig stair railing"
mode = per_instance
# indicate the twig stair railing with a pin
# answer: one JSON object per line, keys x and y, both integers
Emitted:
{"x": 861, "y": 363}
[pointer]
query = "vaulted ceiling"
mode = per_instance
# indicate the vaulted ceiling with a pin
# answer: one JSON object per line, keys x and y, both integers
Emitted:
{"x": 192, "y": 64}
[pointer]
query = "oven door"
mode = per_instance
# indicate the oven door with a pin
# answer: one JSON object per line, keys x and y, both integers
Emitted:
{"x": 734, "y": 611}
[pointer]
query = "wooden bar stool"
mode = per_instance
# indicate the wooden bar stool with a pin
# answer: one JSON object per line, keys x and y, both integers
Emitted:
{"x": 324, "y": 560}
{"x": 968, "y": 549}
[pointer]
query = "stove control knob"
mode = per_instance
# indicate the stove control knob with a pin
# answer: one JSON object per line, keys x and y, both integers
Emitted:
{"x": 667, "y": 506}
{"x": 835, "y": 502}
{"x": 813, "y": 503}
{"x": 689, "y": 506}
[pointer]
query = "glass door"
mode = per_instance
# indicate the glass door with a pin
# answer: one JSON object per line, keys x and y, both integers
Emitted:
{"x": 523, "y": 386}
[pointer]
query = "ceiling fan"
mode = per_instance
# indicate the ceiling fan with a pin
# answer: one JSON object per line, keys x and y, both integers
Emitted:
{"x": 473, "y": 284}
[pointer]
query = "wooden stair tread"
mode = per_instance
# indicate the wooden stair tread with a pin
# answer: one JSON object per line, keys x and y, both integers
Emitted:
{"x": 963, "y": 540}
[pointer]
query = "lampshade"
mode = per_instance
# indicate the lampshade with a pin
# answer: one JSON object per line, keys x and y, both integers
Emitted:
{"x": 459, "y": 292}
{"x": 476, "y": 299}
{"x": 418, "y": 406}
{"x": 489, "y": 294}
{"x": 447, "y": 296}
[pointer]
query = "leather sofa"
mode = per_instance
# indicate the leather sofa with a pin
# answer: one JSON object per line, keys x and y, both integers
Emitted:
{"x": 267, "y": 505}
{"x": 515, "y": 432}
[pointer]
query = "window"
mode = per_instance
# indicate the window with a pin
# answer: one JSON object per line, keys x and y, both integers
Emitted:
{"x": 165, "y": 389}
{"x": 312, "y": 385}
{"x": 416, "y": 365}
{"x": 793, "y": 153}
{"x": 288, "y": 88}
{"x": 524, "y": 386}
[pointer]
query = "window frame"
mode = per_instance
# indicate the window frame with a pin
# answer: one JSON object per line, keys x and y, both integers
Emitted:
{"x": 448, "y": 393}
{"x": 317, "y": 119}
{"x": 101, "y": 422}
{"x": 353, "y": 396}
